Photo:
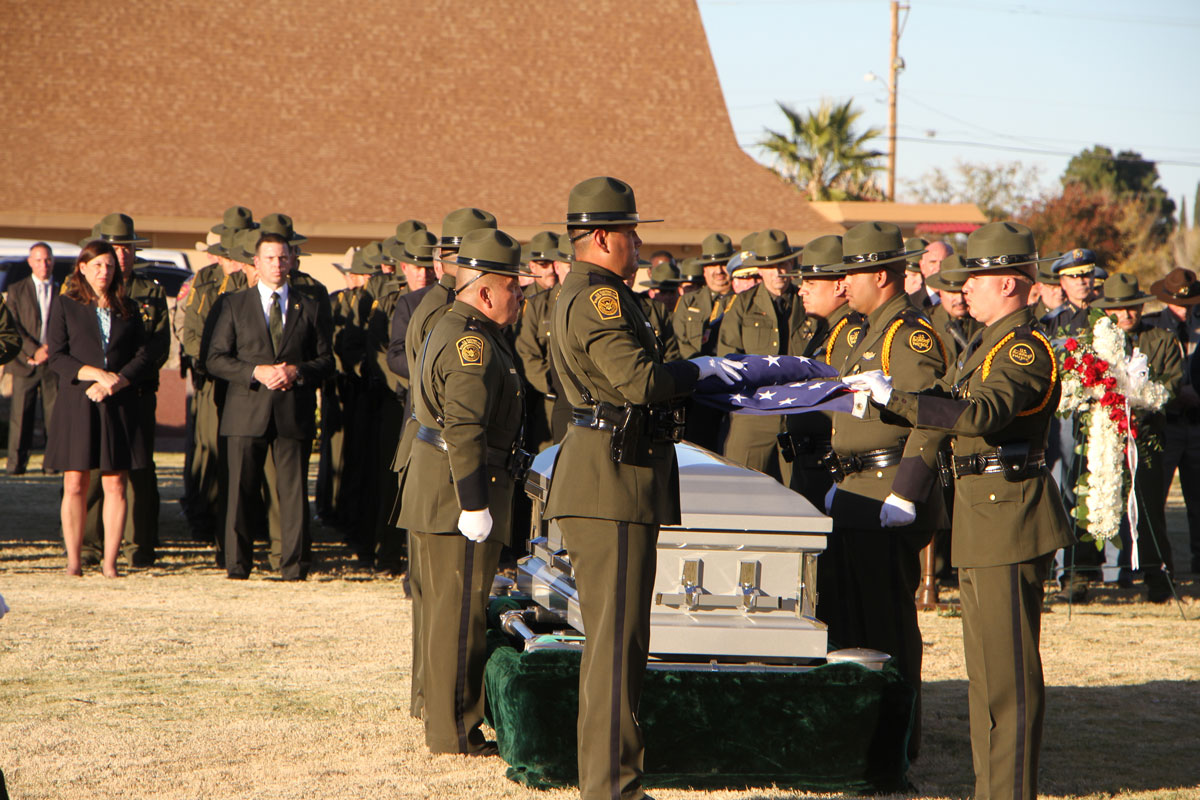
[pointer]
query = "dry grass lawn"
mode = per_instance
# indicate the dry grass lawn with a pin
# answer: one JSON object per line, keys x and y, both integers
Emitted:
{"x": 176, "y": 683}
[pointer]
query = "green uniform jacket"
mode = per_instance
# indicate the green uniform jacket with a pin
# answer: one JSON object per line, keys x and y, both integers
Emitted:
{"x": 697, "y": 321}
{"x": 603, "y": 343}
{"x": 955, "y": 334}
{"x": 816, "y": 426}
{"x": 752, "y": 326}
{"x": 471, "y": 392}
{"x": 1165, "y": 358}
{"x": 660, "y": 320}
{"x": 899, "y": 340}
{"x": 379, "y": 324}
{"x": 349, "y": 334}
{"x": 436, "y": 302}
{"x": 10, "y": 340}
{"x": 209, "y": 284}
{"x": 152, "y": 305}
{"x": 533, "y": 339}
{"x": 1009, "y": 388}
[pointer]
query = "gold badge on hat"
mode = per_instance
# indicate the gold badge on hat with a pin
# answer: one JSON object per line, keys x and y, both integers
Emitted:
{"x": 470, "y": 351}
{"x": 607, "y": 302}
{"x": 920, "y": 341}
{"x": 1021, "y": 354}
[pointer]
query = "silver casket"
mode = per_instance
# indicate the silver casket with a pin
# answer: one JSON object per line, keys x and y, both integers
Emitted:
{"x": 736, "y": 580}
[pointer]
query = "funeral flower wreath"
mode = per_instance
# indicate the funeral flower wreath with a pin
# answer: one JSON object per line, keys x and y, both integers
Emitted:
{"x": 1104, "y": 385}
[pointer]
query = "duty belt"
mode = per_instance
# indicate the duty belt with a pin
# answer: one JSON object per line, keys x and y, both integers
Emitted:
{"x": 841, "y": 466}
{"x": 516, "y": 461}
{"x": 990, "y": 463}
{"x": 631, "y": 426}
{"x": 806, "y": 451}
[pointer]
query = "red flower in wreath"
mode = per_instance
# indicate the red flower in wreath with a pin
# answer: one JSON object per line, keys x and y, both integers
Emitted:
{"x": 1071, "y": 345}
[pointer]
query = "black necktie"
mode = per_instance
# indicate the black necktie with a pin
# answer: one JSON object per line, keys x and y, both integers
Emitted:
{"x": 275, "y": 324}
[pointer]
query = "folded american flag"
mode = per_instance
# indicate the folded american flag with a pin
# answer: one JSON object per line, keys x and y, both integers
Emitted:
{"x": 777, "y": 385}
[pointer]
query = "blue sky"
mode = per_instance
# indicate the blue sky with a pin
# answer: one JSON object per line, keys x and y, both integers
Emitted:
{"x": 1056, "y": 75}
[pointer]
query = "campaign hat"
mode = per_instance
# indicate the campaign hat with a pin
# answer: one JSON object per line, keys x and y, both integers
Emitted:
{"x": 489, "y": 250}
{"x": 950, "y": 277}
{"x": 821, "y": 258}
{"x": 115, "y": 229}
{"x": 874, "y": 246}
{"x": 1000, "y": 245}
{"x": 772, "y": 247}
{"x": 914, "y": 243}
{"x": 717, "y": 248}
{"x": 602, "y": 202}
{"x": 1121, "y": 291}
{"x": 543, "y": 246}
{"x": 1178, "y": 288}
{"x": 235, "y": 219}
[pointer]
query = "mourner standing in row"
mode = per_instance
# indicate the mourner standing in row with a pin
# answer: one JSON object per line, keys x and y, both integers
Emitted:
{"x": 31, "y": 300}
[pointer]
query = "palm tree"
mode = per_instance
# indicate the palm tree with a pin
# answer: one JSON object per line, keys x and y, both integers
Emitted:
{"x": 822, "y": 155}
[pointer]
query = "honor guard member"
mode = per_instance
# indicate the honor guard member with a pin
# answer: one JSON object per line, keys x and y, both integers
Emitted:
{"x": 995, "y": 406}
{"x": 31, "y": 299}
{"x": 10, "y": 339}
{"x": 1123, "y": 300}
{"x": 697, "y": 324}
{"x": 767, "y": 320}
{"x": 433, "y": 303}
{"x": 950, "y": 317}
{"x": 868, "y": 577}
{"x": 141, "y": 490}
{"x": 205, "y": 514}
{"x": 616, "y": 478}
{"x": 1179, "y": 290}
{"x": 805, "y": 443}
{"x": 533, "y": 341}
{"x": 462, "y": 478}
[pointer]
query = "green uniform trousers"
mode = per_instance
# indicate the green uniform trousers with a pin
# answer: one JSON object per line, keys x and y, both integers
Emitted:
{"x": 1002, "y": 621}
{"x": 753, "y": 442}
{"x": 458, "y": 577}
{"x": 205, "y": 511}
{"x": 416, "y": 695}
{"x": 614, "y": 565}
{"x": 866, "y": 593}
{"x": 387, "y": 541}
{"x": 140, "y": 539}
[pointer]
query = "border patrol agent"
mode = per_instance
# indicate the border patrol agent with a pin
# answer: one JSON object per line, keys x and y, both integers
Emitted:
{"x": 954, "y": 331}
{"x": 806, "y": 441}
{"x": 868, "y": 577}
{"x": 616, "y": 478}
{"x": 1008, "y": 516}
{"x": 141, "y": 490}
{"x": 461, "y": 480}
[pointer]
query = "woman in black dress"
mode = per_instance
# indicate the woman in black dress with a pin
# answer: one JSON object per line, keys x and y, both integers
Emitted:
{"x": 97, "y": 348}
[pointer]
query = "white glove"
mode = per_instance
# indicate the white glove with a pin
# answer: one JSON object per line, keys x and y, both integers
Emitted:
{"x": 829, "y": 498}
{"x": 875, "y": 382}
{"x": 726, "y": 369}
{"x": 3, "y": 606}
{"x": 897, "y": 511}
{"x": 475, "y": 525}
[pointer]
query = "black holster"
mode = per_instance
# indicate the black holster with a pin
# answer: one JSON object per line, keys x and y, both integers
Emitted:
{"x": 1013, "y": 457}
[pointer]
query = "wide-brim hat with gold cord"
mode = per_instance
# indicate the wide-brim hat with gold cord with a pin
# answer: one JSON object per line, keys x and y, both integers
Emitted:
{"x": 1121, "y": 291}
{"x": 115, "y": 229}
{"x": 489, "y": 250}
{"x": 821, "y": 258}
{"x": 875, "y": 246}
{"x": 771, "y": 247}
{"x": 999, "y": 246}
{"x": 717, "y": 248}
{"x": 1178, "y": 288}
{"x": 950, "y": 277}
{"x": 602, "y": 202}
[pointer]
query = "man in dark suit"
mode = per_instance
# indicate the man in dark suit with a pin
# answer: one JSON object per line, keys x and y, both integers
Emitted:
{"x": 273, "y": 347}
{"x": 30, "y": 300}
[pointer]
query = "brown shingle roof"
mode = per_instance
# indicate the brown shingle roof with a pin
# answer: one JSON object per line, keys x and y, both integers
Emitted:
{"x": 372, "y": 112}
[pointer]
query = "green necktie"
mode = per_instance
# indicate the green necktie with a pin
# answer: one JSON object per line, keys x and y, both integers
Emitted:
{"x": 275, "y": 323}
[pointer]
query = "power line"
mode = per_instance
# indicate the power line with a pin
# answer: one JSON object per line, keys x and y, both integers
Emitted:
{"x": 1038, "y": 151}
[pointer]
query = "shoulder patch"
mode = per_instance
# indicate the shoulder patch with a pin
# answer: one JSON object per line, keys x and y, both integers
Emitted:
{"x": 920, "y": 341}
{"x": 607, "y": 302}
{"x": 470, "y": 351}
{"x": 1021, "y": 354}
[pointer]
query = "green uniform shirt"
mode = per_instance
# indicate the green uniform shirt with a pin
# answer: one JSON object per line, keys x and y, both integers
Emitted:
{"x": 955, "y": 334}
{"x": 533, "y": 339}
{"x": 752, "y": 326}
{"x": 470, "y": 392}
{"x": 209, "y": 284}
{"x": 697, "y": 321}
{"x": 898, "y": 339}
{"x": 379, "y": 324}
{"x": 1009, "y": 390}
{"x": 660, "y": 321}
{"x": 603, "y": 344}
{"x": 152, "y": 305}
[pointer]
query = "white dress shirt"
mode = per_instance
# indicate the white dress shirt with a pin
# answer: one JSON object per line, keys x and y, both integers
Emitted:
{"x": 264, "y": 296}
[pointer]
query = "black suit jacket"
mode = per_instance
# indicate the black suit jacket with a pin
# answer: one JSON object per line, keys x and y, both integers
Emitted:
{"x": 22, "y": 302}
{"x": 240, "y": 341}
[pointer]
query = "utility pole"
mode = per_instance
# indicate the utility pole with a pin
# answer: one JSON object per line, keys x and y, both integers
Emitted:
{"x": 894, "y": 66}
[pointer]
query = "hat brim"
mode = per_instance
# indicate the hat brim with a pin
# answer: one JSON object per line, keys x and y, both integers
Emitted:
{"x": 938, "y": 281}
{"x": 412, "y": 261}
{"x": 1141, "y": 298}
{"x": 497, "y": 269}
{"x": 712, "y": 261}
{"x": 768, "y": 262}
{"x": 818, "y": 271}
{"x": 605, "y": 223}
{"x": 1159, "y": 290}
{"x": 84, "y": 242}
